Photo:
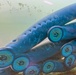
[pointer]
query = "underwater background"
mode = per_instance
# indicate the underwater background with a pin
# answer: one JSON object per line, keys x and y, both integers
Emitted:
{"x": 16, "y": 16}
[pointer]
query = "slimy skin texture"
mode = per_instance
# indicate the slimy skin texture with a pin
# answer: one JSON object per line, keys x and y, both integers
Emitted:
{"x": 68, "y": 48}
{"x": 37, "y": 54}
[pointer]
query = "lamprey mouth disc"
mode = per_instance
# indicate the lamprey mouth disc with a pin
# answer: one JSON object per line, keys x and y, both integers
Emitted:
{"x": 48, "y": 67}
{"x": 6, "y": 58}
{"x": 69, "y": 61}
{"x": 20, "y": 63}
{"x": 32, "y": 70}
{"x": 66, "y": 50}
{"x": 55, "y": 34}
